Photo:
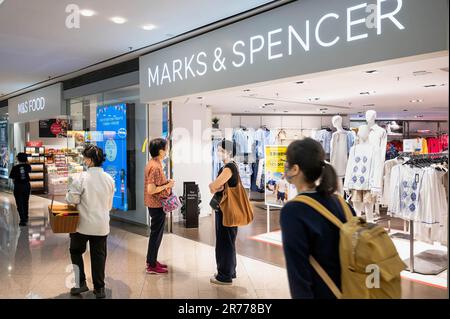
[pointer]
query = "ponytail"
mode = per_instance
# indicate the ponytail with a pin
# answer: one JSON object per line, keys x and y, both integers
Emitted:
{"x": 328, "y": 181}
{"x": 309, "y": 155}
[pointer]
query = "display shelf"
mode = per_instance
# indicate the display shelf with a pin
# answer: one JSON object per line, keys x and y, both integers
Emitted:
{"x": 36, "y": 159}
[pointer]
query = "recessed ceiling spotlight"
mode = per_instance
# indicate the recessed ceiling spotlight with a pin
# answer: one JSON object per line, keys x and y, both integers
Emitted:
{"x": 419, "y": 73}
{"x": 269, "y": 104}
{"x": 416, "y": 101}
{"x": 118, "y": 20}
{"x": 149, "y": 27}
{"x": 300, "y": 82}
{"x": 372, "y": 71}
{"x": 430, "y": 86}
{"x": 314, "y": 99}
{"x": 247, "y": 90}
{"x": 87, "y": 13}
{"x": 364, "y": 93}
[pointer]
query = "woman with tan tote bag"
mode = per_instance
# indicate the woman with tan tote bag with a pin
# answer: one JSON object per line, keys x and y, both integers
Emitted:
{"x": 232, "y": 209}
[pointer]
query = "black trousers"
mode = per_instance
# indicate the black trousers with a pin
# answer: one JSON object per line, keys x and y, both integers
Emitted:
{"x": 225, "y": 250}
{"x": 158, "y": 221}
{"x": 22, "y": 197}
{"x": 97, "y": 246}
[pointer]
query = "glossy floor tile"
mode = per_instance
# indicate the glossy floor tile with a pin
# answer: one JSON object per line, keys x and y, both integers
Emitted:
{"x": 35, "y": 264}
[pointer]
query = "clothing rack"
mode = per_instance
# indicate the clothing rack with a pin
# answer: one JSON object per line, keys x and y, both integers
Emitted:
{"x": 411, "y": 222}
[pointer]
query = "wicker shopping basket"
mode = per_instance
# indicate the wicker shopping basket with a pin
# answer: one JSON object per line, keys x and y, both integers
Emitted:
{"x": 63, "y": 218}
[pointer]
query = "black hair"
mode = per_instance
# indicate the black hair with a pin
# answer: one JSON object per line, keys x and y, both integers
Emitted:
{"x": 157, "y": 145}
{"x": 22, "y": 157}
{"x": 309, "y": 155}
{"x": 229, "y": 147}
{"x": 94, "y": 153}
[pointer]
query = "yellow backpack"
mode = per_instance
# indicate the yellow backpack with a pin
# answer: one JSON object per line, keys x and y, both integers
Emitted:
{"x": 370, "y": 264}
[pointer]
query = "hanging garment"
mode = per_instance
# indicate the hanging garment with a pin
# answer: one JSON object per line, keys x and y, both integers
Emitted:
{"x": 361, "y": 167}
{"x": 262, "y": 138}
{"x": 324, "y": 138}
{"x": 378, "y": 140}
{"x": 245, "y": 172}
{"x": 385, "y": 187}
{"x": 405, "y": 185}
{"x": 351, "y": 136}
{"x": 244, "y": 140}
{"x": 339, "y": 152}
{"x": 260, "y": 175}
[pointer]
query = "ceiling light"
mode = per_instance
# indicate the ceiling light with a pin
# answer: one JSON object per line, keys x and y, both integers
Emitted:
{"x": 372, "y": 72}
{"x": 405, "y": 110}
{"x": 87, "y": 13}
{"x": 247, "y": 90}
{"x": 199, "y": 97}
{"x": 262, "y": 107}
{"x": 300, "y": 82}
{"x": 364, "y": 93}
{"x": 368, "y": 105}
{"x": 286, "y": 111}
{"x": 419, "y": 73}
{"x": 418, "y": 116}
{"x": 416, "y": 101}
{"x": 430, "y": 86}
{"x": 314, "y": 99}
{"x": 118, "y": 20}
{"x": 269, "y": 104}
{"x": 149, "y": 27}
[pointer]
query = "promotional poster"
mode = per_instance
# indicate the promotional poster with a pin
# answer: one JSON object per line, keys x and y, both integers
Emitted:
{"x": 112, "y": 123}
{"x": 54, "y": 128}
{"x": 277, "y": 190}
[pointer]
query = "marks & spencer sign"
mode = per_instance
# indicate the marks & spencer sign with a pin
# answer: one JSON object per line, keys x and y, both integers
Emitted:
{"x": 38, "y": 105}
{"x": 302, "y": 37}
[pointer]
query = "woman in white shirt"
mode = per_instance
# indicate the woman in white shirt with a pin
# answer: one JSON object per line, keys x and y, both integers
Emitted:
{"x": 93, "y": 194}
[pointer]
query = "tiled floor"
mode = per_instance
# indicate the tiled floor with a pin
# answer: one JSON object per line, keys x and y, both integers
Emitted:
{"x": 35, "y": 263}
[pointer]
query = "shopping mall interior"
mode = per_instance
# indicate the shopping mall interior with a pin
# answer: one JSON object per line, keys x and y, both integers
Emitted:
{"x": 398, "y": 87}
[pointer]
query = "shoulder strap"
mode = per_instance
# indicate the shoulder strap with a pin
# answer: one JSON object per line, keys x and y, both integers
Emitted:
{"x": 322, "y": 210}
{"x": 324, "y": 276}
{"x": 345, "y": 208}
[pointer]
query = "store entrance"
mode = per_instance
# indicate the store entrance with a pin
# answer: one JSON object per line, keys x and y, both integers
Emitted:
{"x": 405, "y": 99}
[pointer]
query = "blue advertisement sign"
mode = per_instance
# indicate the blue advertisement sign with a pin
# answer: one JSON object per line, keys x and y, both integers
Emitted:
{"x": 112, "y": 123}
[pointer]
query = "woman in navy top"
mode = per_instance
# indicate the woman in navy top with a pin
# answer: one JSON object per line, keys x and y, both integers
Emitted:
{"x": 305, "y": 232}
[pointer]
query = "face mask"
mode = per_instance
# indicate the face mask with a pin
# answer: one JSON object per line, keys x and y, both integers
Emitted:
{"x": 286, "y": 174}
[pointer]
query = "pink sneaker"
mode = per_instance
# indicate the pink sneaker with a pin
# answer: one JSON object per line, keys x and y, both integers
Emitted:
{"x": 158, "y": 264}
{"x": 161, "y": 265}
{"x": 156, "y": 270}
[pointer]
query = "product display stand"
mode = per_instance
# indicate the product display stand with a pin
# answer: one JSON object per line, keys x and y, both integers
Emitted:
{"x": 36, "y": 160}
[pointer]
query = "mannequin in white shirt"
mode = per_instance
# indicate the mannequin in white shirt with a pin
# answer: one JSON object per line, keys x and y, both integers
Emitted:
{"x": 338, "y": 147}
{"x": 378, "y": 140}
{"x": 363, "y": 137}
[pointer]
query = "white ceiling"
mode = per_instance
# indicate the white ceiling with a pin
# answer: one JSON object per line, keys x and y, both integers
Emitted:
{"x": 391, "y": 90}
{"x": 35, "y": 43}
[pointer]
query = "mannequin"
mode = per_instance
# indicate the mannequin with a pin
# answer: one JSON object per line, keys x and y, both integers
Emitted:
{"x": 337, "y": 123}
{"x": 378, "y": 140}
{"x": 339, "y": 147}
{"x": 360, "y": 172}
